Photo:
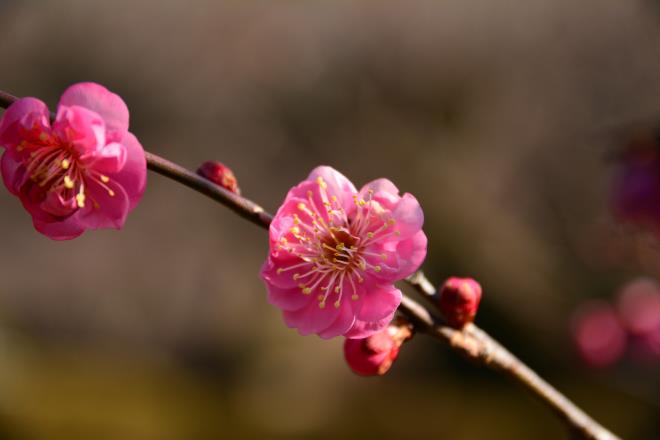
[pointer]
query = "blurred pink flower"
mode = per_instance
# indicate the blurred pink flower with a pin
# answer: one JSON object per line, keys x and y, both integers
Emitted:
{"x": 375, "y": 354}
{"x": 336, "y": 252}
{"x": 639, "y": 308}
{"x": 86, "y": 171}
{"x": 636, "y": 189}
{"x": 598, "y": 333}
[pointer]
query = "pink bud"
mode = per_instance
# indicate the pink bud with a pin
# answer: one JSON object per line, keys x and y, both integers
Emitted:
{"x": 459, "y": 300}
{"x": 598, "y": 333}
{"x": 219, "y": 174}
{"x": 374, "y": 355}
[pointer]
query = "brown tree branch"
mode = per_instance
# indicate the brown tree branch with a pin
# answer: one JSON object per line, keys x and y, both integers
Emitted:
{"x": 471, "y": 341}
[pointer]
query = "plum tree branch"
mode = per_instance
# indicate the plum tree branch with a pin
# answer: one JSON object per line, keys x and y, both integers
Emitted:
{"x": 471, "y": 341}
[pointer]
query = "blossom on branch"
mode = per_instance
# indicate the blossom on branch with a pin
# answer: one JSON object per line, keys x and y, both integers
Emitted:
{"x": 83, "y": 171}
{"x": 336, "y": 252}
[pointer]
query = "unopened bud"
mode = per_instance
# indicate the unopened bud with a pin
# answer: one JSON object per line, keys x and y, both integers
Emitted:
{"x": 374, "y": 355}
{"x": 459, "y": 300}
{"x": 219, "y": 174}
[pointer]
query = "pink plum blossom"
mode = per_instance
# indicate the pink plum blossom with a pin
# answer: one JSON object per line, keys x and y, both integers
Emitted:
{"x": 336, "y": 252}
{"x": 83, "y": 171}
{"x": 599, "y": 334}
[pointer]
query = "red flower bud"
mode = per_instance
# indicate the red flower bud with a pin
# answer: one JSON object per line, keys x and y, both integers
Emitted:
{"x": 374, "y": 355}
{"x": 219, "y": 174}
{"x": 459, "y": 300}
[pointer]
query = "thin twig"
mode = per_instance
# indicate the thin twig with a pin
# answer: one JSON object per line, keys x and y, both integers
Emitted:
{"x": 471, "y": 341}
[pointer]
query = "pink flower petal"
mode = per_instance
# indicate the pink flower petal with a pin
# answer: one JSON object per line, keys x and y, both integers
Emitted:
{"x": 337, "y": 183}
{"x": 379, "y": 302}
{"x": 103, "y": 210}
{"x": 109, "y": 159}
{"x": 408, "y": 215}
{"x": 100, "y": 100}
{"x": 342, "y": 324}
{"x": 81, "y": 128}
{"x": 22, "y": 115}
{"x": 312, "y": 318}
{"x": 133, "y": 175}
{"x": 13, "y": 172}
{"x": 291, "y": 299}
{"x": 363, "y": 329}
{"x": 60, "y": 230}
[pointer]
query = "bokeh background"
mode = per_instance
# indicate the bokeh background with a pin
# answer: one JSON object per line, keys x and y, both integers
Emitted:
{"x": 500, "y": 116}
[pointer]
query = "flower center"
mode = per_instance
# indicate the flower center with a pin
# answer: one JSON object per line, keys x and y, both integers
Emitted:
{"x": 55, "y": 166}
{"x": 333, "y": 248}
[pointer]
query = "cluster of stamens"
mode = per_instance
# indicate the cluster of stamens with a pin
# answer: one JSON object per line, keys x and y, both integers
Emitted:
{"x": 53, "y": 165}
{"x": 332, "y": 249}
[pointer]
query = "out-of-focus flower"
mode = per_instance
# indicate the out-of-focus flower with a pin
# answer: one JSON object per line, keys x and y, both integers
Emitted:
{"x": 220, "y": 174}
{"x": 636, "y": 189}
{"x": 459, "y": 300}
{"x": 375, "y": 354}
{"x": 85, "y": 171}
{"x": 599, "y": 335}
{"x": 336, "y": 252}
{"x": 639, "y": 308}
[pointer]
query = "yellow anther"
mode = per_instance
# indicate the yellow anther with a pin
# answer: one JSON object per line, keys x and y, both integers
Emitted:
{"x": 307, "y": 291}
{"x": 321, "y": 182}
{"x": 295, "y": 230}
{"x": 383, "y": 257}
{"x": 391, "y": 222}
{"x": 280, "y": 270}
{"x": 43, "y": 137}
{"x": 309, "y": 193}
{"x": 80, "y": 200}
{"x": 377, "y": 268}
{"x": 340, "y": 246}
{"x": 397, "y": 233}
{"x": 68, "y": 182}
{"x": 283, "y": 240}
{"x": 320, "y": 297}
{"x": 322, "y": 305}
{"x": 355, "y": 297}
{"x": 337, "y": 304}
{"x": 370, "y": 235}
{"x": 111, "y": 193}
{"x": 333, "y": 198}
{"x": 362, "y": 202}
{"x": 65, "y": 164}
{"x": 296, "y": 219}
{"x": 337, "y": 289}
{"x": 105, "y": 179}
{"x": 295, "y": 275}
{"x": 302, "y": 206}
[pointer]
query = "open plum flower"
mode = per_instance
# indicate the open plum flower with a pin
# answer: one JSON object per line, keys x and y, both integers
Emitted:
{"x": 85, "y": 171}
{"x": 336, "y": 252}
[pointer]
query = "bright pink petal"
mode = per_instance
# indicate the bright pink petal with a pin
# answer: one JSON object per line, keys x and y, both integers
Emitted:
{"x": 363, "y": 329}
{"x": 102, "y": 208}
{"x": 379, "y": 302}
{"x": 109, "y": 159}
{"x": 312, "y": 318}
{"x": 408, "y": 215}
{"x": 383, "y": 191}
{"x": 13, "y": 172}
{"x": 100, "y": 100}
{"x": 22, "y": 115}
{"x": 81, "y": 128}
{"x": 60, "y": 230}
{"x": 342, "y": 324}
{"x": 337, "y": 183}
{"x": 57, "y": 206}
{"x": 133, "y": 175}
{"x": 287, "y": 299}
{"x": 283, "y": 279}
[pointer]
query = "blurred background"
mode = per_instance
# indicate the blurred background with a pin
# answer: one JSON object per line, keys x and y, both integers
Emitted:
{"x": 503, "y": 118}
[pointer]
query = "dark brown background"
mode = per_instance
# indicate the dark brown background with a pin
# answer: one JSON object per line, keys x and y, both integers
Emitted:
{"x": 498, "y": 115}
